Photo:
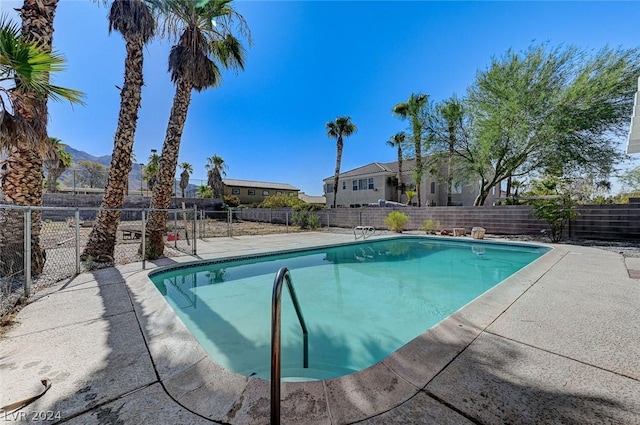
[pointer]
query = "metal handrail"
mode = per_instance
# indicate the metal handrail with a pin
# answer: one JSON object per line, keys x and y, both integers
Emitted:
{"x": 282, "y": 275}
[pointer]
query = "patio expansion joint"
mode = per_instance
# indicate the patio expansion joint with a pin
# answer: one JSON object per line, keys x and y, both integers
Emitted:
{"x": 155, "y": 368}
{"x": 107, "y": 401}
{"x": 452, "y": 407}
{"x": 424, "y": 388}
{"x": 563, "y": 356}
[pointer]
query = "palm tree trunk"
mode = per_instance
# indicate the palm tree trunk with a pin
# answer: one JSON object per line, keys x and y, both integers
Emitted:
{"x": 22, "y": 169}
{"x": 336, "y": 177}
{"x": 449, "y": 165}
{"x": 166, "y": 174}
{"x": 102, "y": 240}
{"x": 21, "y": 184}
{"x": 399, "y": 188}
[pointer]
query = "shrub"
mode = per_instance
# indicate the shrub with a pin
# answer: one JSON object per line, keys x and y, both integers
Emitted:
{"x": 308, "y": 207}
{"x": 306, "y": 220}
{"x": 396, "y": 220}
{"x": 556, "y": 212}
{"x": 551, "y": 203}
{"x": 231, "y": 200}
{"x": 281, "y": 201}
{"x": 427, "y": 226}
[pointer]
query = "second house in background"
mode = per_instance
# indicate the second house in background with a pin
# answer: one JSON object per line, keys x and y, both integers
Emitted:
{"x": 250, "y": 192}
{"x": 378, "y": 181}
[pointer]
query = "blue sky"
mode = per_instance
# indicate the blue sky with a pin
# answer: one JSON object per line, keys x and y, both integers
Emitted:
{"x": 310, "y": 62}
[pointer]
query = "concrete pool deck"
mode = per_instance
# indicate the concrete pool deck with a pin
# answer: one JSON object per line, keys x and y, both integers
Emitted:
{"x": 557, "y": 343}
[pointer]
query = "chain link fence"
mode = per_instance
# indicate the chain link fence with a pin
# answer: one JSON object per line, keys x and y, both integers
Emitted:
{"x": 58, "y": 236}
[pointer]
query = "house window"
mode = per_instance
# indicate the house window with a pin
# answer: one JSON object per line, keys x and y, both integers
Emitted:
{"x": 354, "y": 185}
{"x": 362, "y": 184}
{"x": 371, "y": 183}
{"x": 251, "y": 192}
{"x": 235, "y": 191}
{"x": 278, "y": 193}
{"x": 457, "y": 188}
{"x": 329, "y": 188}
{"x": 344, "y": 185}
{"x": 433, "y": 187}
{"x": 265, "y": 193}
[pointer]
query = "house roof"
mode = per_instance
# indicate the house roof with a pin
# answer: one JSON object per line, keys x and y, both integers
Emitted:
{"x": 258, "y": 185}
{"x": 376, "y": 168}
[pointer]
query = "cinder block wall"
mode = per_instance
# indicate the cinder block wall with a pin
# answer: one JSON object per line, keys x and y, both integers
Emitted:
{"x": 593, "y": 221}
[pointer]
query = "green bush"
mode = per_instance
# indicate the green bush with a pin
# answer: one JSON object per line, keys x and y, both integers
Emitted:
{"x": 306, "y": 220}
{"x": 556, "y": 212}
{"x": 308, "y": 207}
{"x": 427, "y": 226}
{"x": 231, "y": 200}
{"x": 281, "y": 201}
{"x": 396, "y": 220}
{"x": 552, "y": 203}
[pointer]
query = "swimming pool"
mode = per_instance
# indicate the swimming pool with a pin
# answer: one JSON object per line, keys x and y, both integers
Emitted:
{"x": 361, "y": 301}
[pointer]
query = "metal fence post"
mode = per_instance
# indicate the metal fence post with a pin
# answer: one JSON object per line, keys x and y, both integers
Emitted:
{"x": 194, "y": 227}
{"x": 77, "y": 229}
{"x": 27, "y": 252}
{"x": 175, "y": 230}
{"x": 144, "y": 239}
{"x": 286, "y": 220}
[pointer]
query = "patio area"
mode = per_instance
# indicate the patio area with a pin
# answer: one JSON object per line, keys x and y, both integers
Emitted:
{"x": 556, "y": 343}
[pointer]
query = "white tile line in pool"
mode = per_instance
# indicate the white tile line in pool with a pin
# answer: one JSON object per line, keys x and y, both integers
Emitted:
{"x": 201, "y": 385}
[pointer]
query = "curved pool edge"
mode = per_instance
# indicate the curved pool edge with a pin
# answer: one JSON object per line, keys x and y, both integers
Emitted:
{"x": 201, "y": 385}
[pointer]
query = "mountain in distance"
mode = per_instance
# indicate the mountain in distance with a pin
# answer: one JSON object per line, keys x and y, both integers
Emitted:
{"x": 67, "y": 178}
{"x": 135, "y": 176}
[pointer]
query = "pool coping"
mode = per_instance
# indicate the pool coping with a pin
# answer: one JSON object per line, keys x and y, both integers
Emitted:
{"x": 206, "y": 388}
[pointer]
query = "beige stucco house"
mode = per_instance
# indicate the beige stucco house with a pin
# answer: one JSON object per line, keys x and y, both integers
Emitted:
{"x": 377, "y": 181}
{"x": 249, "y": 191}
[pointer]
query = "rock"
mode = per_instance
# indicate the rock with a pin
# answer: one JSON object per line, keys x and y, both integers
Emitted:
{"x": 477, "y": 233}
{"x": 459, "y": 231}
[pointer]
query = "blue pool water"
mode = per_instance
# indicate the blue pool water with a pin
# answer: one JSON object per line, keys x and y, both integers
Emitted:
{"x": 361, "y": 301}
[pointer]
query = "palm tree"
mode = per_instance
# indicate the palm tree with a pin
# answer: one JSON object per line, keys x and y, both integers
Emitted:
{"x": 187, "y": 170}
{"x": 338, "y": 129}
{"x": 411, "y": 110}
{"x": 134, "y": 20}
{"x": 24, "y": 71}
{"x": 150, "y": 171}
{"x": 216, "y": 168}
{"x": 397, "y": 141}
{"x": 204, "y": 44}
{"x": 452, "y": 112}
{"x": 56, "y": 162}
{"x": 203, "y": 191}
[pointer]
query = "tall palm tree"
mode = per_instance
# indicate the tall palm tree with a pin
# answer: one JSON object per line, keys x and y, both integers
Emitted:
{"x": 56, "y": 161}
{"x": 205, "y": 43}
{"x": 134, "y": 20}
{"x": 187, "y": 170}
{"x": 340, "y": 128}
{"x": 452, "y": 112}
{"x": 397, "y": 141}
{"x": 216, "y": 168}
{"x": 24, "y": 71}
{"x": 411, "y": 110}
{"x": 26, "y": 171}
